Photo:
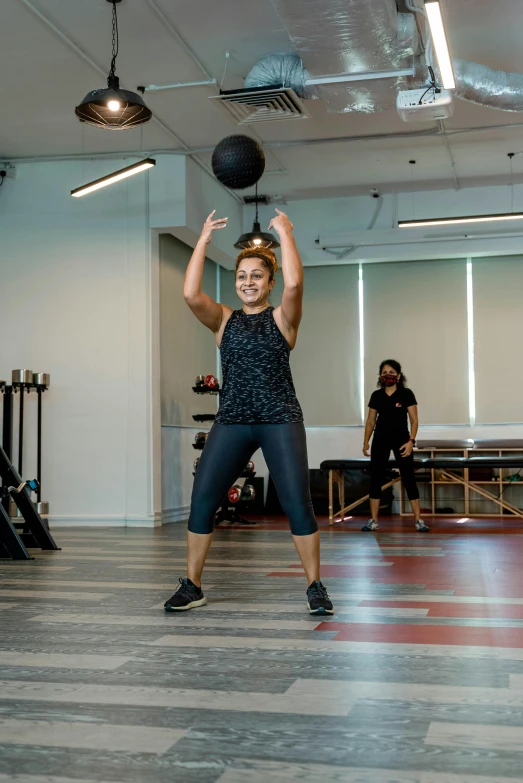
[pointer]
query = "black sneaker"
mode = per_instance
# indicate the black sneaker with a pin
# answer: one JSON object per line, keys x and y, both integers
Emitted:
{"x": 187, "y": 596}
{"x": 318, "y": 600}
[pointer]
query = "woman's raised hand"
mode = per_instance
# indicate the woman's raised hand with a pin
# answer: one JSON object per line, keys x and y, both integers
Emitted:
{"x": 211, "y": 225}
{"x": 281, "y": 224}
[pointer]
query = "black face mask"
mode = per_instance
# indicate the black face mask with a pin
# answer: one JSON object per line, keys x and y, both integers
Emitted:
{"x": 389, "y": 380}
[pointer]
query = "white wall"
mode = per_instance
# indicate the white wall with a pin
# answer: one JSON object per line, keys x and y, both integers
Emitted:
{"x": 76, "y": 303}
{"x": 188, "y": 349}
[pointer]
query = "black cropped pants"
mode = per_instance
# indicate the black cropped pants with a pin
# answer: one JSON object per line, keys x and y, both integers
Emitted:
{"x": 379, "y": 457}
{"x": 227, "y": 451}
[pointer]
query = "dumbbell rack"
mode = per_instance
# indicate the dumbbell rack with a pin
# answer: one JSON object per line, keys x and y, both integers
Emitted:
{"x": 15, "y": 493}
{"x": 228, "y": 512}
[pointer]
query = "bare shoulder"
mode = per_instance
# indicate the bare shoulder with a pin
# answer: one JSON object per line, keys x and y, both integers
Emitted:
{"x": 290, "y": 334}
{"x": 226, "y": 314}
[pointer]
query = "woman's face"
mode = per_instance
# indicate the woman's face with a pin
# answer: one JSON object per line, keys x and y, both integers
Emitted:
{"x": 252, "y": 282}
{"x": 389, "y": 373}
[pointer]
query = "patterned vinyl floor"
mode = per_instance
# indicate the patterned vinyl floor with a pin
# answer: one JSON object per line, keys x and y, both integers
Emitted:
{"x": 418, "y": 678}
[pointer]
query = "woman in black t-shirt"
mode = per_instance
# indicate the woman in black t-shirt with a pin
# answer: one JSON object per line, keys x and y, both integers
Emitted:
{"x": 390, "y": 409}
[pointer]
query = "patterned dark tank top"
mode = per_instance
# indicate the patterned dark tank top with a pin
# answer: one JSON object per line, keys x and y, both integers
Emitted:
{"x": 257, "y": 385}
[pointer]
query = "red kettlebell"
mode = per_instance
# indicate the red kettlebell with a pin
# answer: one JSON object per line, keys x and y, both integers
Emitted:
{"x": 235, "y": 494}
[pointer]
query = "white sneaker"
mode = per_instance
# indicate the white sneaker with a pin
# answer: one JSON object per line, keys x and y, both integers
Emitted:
{"x": 371, "y": 525}
{"x": 421, "y": 527}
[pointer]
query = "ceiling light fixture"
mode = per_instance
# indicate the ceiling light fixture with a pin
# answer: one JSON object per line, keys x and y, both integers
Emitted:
{"x": 112, "y": 108}
{"x": 457, "y": 220}
{"x": 110, "y": 179}
{"x": 441, "y": 46}
{"x": 451, "y": 221}
{"x": 257, "y": 237}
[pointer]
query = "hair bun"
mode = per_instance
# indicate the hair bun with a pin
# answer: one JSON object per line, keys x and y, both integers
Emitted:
{"x": 267, "y": 255}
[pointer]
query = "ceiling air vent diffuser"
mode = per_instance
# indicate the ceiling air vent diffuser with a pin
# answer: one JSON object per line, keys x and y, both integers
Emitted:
{"x": 260, "y": 104}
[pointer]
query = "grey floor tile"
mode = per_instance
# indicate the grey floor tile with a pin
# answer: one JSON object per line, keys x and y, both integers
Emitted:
{"x": 473, "y": 735}
{"x": 46, "y": 595}
{"x": 15, "y": 778}
{"x": 130, "y": 739}
{"x": 170, "y": 697}
{"x": 61, "y": 661}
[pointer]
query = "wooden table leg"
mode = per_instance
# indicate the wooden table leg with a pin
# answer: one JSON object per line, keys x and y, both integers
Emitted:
{"x": 358, "y": 502}
{"x": 331, "y": 498}
{"x": 341, "y": 491}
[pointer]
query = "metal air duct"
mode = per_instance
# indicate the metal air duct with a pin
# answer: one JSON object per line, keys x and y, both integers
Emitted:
{"x": 351, "y": 36}
{"x": 282, "y": 70}
{"x": 487, "y": 87}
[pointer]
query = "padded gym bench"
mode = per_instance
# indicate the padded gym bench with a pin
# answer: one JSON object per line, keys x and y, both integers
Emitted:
{"x": 447, "y": 465}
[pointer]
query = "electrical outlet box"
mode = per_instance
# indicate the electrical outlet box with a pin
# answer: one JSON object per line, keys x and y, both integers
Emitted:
{"x": 11, "y": 171}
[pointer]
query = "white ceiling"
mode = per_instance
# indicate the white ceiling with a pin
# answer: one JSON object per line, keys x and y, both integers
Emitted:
{"x": 44, "y": 78}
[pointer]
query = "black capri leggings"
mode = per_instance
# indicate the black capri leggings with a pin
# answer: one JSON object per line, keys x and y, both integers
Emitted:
{"x": 229, "y": 448}
{"x": 379, "y": 457}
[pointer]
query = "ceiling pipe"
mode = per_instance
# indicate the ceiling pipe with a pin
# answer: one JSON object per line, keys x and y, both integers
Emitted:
{"x": 386, "y": 239}
{"x": 340, "y": 78}
{"x": 432, "y": 132}
{"x": 363, "y": 76}
{"x": 159, "y": 87}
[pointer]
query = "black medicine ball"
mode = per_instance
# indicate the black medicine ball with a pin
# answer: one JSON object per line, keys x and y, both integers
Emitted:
{"x": 238, "y": 162}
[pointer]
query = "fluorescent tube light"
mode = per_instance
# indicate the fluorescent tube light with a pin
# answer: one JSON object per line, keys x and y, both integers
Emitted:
{"x": 441, "y": 47}
{"x": 470, "y": 340}
{"x": 451, "y": 221}
{"x": 110, "y": 179}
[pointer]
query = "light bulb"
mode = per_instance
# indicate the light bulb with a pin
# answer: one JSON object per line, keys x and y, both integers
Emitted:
{"x": 256, "y": 241}
{"x": 114, "y": 105}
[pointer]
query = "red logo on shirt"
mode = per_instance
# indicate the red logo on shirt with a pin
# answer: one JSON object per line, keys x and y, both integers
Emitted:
{"x": 399, "y": 405}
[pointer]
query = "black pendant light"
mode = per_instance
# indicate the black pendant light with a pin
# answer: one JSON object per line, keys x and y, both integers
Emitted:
{"x": 257, "y": 237}
{"x": 112, "y": 108}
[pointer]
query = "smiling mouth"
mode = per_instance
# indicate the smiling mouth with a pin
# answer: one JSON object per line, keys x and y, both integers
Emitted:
{"x": 250, "y": 290}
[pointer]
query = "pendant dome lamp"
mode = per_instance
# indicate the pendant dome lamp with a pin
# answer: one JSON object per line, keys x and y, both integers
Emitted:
{"x": 112, "y": 108}
{"x": 257, "y": 237}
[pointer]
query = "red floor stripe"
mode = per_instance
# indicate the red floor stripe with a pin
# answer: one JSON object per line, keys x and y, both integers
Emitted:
{"x": 425, "y": 634}
{"x": 440, "y": 527}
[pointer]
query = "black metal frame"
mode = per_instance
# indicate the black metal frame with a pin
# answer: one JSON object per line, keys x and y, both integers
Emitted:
{"x": 9, "y": 538}
{"x": 36, "y": 532}
{"x": 7, "y": 432}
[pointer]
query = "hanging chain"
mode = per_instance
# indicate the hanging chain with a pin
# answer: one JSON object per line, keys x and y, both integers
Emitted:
{"x": 256, "y": 196}
{"x": 115, "y": 42}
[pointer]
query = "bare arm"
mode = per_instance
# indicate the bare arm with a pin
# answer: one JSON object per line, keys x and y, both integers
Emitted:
{"x": 413, "y": 416}
{"x": 206, "y": 310}
{"x": 370, "y": 424}
{"x": 406, "y": 449}
{"x": 288, "y": 315}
